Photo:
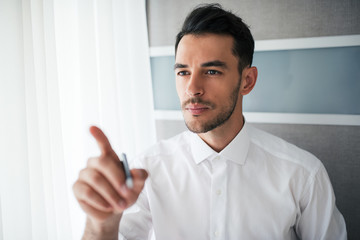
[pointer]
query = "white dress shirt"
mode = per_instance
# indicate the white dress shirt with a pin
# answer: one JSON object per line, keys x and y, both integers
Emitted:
{"x": 258, "y": 187}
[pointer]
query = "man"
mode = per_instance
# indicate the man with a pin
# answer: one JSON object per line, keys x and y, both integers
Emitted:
{"x": 222, "y": 180}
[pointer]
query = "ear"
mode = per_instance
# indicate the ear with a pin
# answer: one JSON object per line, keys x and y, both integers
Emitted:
{"x": 248, "y": 80}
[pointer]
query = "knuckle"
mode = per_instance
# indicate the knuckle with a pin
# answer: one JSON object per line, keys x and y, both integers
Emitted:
{"x": 82, "y": 173}
{"x": 93, "y": 161}
{"x": 90, "y": 176}
{"x": 94, "y": 176}
{"x": 90, "y": 160}
{"x": 102, "y": 160}
{"x": 97, "y": 162}
{"x": 75, "y": 187}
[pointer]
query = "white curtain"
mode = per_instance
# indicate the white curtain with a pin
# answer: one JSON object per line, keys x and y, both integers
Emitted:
{"x": 65, "y": 65}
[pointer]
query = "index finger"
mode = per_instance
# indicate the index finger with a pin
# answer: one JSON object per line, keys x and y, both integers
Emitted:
{"x": 102, "y": 140}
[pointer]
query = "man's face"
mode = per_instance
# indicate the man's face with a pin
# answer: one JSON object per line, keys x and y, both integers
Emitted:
{"x": 207, "y": 81}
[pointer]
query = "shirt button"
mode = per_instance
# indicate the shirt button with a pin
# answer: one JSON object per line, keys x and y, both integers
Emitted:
{"x": 218, "y": 192}
{"x": 217, "y": 158}
{"x": 216, "y": 233}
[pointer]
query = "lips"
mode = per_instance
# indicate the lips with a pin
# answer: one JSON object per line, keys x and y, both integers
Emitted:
{"x": 196, "y": 109}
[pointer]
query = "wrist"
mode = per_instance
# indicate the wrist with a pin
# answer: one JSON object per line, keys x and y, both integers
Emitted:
{"x": 107, "y": 229}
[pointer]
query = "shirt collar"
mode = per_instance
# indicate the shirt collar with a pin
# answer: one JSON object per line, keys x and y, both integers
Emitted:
{"x": 200, "y": 150}
{"x": 235, "y": 151}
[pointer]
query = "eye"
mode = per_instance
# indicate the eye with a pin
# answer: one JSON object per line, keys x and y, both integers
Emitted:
{"x": 183, "y": 73}
{"x": 213, "y": 72}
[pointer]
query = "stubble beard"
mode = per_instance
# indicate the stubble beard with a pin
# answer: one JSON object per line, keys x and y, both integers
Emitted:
{"x": 219, "y": 120}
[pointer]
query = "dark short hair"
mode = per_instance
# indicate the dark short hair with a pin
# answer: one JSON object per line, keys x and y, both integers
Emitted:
{"x": 212, "y": 18}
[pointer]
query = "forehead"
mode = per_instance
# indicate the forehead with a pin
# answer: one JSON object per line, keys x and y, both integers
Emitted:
{"x": 205, "y": 47}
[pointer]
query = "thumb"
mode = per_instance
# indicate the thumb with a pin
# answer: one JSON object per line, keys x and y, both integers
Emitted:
{"x": 138, "y": 173}
{"x": 139, "y": 177}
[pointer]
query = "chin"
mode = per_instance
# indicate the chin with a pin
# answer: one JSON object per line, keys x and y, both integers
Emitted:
{"x": 194, "y": 126}
{"x": 197, "y": 126}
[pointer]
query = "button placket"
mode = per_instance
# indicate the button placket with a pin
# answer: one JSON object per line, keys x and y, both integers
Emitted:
{"x": 218, "y": 198}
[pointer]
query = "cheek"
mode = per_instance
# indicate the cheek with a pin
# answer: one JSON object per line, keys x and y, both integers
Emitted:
{"x": 222, "y": 93}
{"x": 217, "y": 90}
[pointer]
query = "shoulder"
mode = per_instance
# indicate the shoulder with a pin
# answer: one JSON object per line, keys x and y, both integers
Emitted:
{"x": 280, "y": 150}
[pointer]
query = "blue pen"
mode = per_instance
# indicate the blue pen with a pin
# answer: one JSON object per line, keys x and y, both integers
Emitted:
{"x": 128, "y": 178}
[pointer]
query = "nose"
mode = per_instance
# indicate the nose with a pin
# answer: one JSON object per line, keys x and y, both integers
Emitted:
{"x": 195, "y": 86}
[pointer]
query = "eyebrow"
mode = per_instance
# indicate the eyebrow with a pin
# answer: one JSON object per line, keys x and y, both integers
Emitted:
{"x": 179, "y": 65}
{"x": 215, "y": 63}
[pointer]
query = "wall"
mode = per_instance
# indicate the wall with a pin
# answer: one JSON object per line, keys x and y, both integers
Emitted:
{"x": 268, "y": 19}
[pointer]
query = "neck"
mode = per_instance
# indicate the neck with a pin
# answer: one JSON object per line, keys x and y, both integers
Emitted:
{"x": 221, "y": 136}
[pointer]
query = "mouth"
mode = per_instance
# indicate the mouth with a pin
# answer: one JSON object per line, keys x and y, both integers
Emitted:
{"x": 196, "y": 109}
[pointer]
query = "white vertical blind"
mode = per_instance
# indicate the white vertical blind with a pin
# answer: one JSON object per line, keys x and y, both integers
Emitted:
{"x": 65, "y": 65}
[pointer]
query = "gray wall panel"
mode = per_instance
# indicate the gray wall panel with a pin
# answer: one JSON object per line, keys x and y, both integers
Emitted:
{"x": 268, "y": 19}
{"x": 163, "y": 82}
{"x": 325, "y": 80}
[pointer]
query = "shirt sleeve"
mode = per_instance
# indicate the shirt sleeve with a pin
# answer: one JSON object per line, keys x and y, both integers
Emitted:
{"x": 136, "y": 222}
{"x": 320, "y": 218}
